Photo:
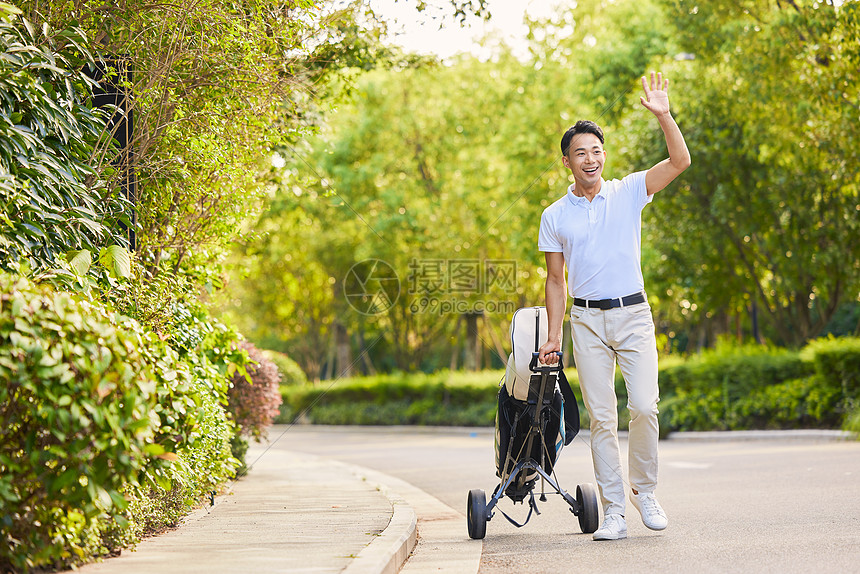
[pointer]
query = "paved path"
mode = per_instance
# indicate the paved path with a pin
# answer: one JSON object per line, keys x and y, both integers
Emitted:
{"x": 375, "y": 500}
{"x": 293, "y": 513}
{"x": 781, "y": 502}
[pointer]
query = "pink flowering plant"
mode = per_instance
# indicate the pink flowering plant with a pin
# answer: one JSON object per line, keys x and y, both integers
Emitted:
{"x": 254, "y": 400}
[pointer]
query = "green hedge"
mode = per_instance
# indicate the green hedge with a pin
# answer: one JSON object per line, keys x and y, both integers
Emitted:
{"x": 76, "y": 422}
{"x": 837, "y": 361}
{"x": 731, "y": 388}
{"x": 102, "y": 425}
{"x": 736, "y": 370}
{"x": 444, "y": 398}
{"x": 709, "y": 391}
{"x": 290, "y": 371}
{"x": 755, "y": 387}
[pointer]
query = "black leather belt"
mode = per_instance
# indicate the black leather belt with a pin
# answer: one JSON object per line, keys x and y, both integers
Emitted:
{"x": 610, "y": 303}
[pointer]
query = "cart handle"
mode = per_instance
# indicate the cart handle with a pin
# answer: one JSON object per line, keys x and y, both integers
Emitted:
{"x": 533, "y": 365}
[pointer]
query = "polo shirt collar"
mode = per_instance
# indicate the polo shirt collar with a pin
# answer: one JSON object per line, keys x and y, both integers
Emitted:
{"x": 576, "y": 200}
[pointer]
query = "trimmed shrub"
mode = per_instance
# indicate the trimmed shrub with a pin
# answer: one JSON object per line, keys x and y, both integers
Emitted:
{"x": 254, "y": 398}
{"x": 837, "y": 363}
{"x": 78, "y": 421}
{"x": 797, "y": 403}
{"x": 107, "y": 433}
{"x": 760, "y": 388}
{"x": 735, "y": 370}
{"x": 852, "y": 422}
{"x": 202, "y": 464}
{"x": 211, "y": 348}
{"x": 207, "y": 351}
{"x": 725, "y": 389}
{"x": 444, "y": 398}
{"x": 729, "y": 388}
{"x": 290, "y": 371}
{"x": 713, "y": 390}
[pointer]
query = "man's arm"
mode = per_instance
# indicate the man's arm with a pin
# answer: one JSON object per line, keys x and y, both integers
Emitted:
{"x": 656, "y": 100}
{"x": 556, "y": 304}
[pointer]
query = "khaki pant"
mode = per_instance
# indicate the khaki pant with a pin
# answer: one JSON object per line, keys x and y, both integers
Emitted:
{"x": 600, "y": 338}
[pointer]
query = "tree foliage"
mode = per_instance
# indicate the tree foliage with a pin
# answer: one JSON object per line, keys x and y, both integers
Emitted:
{"x": 435, "y": 163}
{"x": 212, "y": 88}
{"x": 440, "y": 172}
{"x": 398, "y": 181}
{"x": 53, "y": 200}
{"x": 770, "y": 108}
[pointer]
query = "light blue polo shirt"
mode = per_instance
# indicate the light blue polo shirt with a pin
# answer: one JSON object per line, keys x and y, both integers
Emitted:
{"x": 601, "y": 239}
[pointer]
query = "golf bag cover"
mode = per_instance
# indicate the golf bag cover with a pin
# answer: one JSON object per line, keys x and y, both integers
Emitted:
{"x": 529, "y": 328}
{"x": 528, "y": 333}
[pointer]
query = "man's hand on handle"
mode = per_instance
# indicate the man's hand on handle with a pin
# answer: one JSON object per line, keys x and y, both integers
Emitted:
{"x": 547, "y": 352}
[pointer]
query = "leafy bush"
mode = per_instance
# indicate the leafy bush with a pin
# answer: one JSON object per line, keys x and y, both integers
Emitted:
{"x": 760, "y": 388}
{"x": 100, "y": 413}
{"x": 796, "y": 403}
{"x": 207, "y": 352}
{"x": 78, "y": 420}
{"x": 48, "y": 205}
{"x": 425, "y": 412}
{"x": 443, "y": 398}
{"x": 713, "y": 390}
{"x": 735, "y": 370}
{"x": 201, "y": 466}
{"x": 206, "y": 344}
{"x": 852, "y": 422}
{"x": 254, "y": 403}
{"x": 837, "y": 362}
{"x": 291, "y": 372}
{"x": 110, "y": 433}
{"x": 727, "y": 388}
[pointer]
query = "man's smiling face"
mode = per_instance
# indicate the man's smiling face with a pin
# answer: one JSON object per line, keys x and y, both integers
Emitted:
{"x": 585, "y": 159}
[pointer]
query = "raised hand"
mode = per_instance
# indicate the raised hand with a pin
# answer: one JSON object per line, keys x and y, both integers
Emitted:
{"x": 656, "y": 98}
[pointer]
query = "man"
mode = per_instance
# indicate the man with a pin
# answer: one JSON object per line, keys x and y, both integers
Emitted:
{"x": 595, "y": 229}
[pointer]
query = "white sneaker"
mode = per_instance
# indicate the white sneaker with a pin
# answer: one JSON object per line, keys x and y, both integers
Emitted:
{"x": 614, "y": 528}
{"x": 652, "y": 513}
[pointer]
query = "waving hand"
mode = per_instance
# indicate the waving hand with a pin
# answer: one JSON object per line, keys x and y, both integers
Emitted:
{"x": 656, "y": 98}
{"x": 656, "y": 101}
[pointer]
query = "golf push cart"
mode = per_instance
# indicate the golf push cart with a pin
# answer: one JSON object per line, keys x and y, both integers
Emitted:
{"x": 536, "y": 417}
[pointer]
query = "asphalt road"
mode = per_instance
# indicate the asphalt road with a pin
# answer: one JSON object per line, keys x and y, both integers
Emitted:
{"x": 745, "y": 506}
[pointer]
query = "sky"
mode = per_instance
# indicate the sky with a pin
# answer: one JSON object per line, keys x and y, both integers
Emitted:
{"x": 419, "y": 31}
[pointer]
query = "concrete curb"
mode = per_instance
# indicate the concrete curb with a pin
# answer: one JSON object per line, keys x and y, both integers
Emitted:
{"x": 820, "y": 435}
{"x": 442, "y": 544}
{"x": 387, "y": 553}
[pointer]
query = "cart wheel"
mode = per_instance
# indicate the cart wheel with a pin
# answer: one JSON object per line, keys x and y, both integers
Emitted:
{"x": 586, "y": 499}
{"x": 476, "y": 514}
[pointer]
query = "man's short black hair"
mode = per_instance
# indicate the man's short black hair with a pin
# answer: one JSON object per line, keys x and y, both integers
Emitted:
{"x": 580, "y": 127}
